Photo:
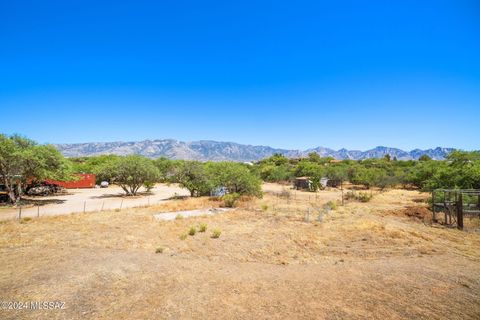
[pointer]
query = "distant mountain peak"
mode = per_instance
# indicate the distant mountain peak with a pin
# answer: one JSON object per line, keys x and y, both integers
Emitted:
{"x": 205, "y": 150}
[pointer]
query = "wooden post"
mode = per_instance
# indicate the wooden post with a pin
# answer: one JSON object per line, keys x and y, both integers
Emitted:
{"x": 84, "y": 206}
{"x": 121, "y": 204}
{"x": 38, "y": 211}
{"x": 460, "y": 212}
{"x": 433, "y": 206}
{"x": 341, "y": 187}
{"x": 445, "y": 207}
{"x": 20, "y": 213}
{"x": 103, "y": 203}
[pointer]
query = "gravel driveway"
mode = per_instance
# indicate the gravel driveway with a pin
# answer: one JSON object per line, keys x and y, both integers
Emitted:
{"x": 89, "y": 200}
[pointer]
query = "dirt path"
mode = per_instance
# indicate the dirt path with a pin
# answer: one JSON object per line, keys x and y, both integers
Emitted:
{"x": 92, "y": 200}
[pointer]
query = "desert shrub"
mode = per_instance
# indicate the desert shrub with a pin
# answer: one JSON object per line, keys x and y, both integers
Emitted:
{"x": 202, "y": 227}
{"x": 192, "y": 231}
{"x": 25, "y": 220}
{"x": 349, "y": 195}
{"x": 216, "y": 233}
{"x": 183, "y": 236}
{"x": 264, "y": 207}
{"x": 159, "y": 250}
{"x": 360, "y": 196}
{"x": 364, "y": 197}
{"x": 178, "y": 217}
{"x": 332, "y": 205}
{"x": 285, "y": 194}
{"x": 229, "y": 200}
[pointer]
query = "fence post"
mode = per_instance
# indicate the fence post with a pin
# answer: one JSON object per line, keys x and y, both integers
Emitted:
{"x": 84, "y": 206}
{"x": 433, "y": 206}
{"x": 121, "y": 204}
{"x": 20, "y": 213}
{"x": 103, "y": 203}
{"x": 460, "y": 211}
{"x": 38, "y": 211}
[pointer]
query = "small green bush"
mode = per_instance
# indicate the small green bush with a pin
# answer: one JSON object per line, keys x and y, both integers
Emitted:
{"x": 178, "y": 217}
{"x": 25, "y": 220}
{"x": 159, "y": 250}
{"x": 216, "y": 233}
{"x": 183, "y": 236}
{"x": 332, "y": 205}
{"x": 192, "y": 231}
{"x": 364, "y": 197}
{"x": 264, "y": 207}
{"x": 202, "y": 227}
{"x": 361, "y": 196}
{"x": 229, "y": 200}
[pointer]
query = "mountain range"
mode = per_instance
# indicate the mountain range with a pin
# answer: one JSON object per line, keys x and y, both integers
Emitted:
{"x": 204, "y": 150}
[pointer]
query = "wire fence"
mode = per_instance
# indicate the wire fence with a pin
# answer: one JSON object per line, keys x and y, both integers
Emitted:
{"x": 39, "y": 210}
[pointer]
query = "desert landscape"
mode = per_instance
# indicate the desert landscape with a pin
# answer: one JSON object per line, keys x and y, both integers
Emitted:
{"x": 239, "y": 160}
{"x": 277, "y": 257}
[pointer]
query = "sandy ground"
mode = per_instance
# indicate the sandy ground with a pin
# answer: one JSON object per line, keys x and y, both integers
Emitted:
{"x": 364, "y": 260}
{"x": 92, "y": 200}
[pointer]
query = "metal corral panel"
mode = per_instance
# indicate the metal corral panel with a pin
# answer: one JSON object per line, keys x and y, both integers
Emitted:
{"x": 86, "y": 180}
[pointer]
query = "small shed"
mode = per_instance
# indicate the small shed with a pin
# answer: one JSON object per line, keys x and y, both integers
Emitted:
{"x": 302, "y": 183}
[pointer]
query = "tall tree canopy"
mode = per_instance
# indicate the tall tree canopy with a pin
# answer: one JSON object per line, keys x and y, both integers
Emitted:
{"x": 130, "y": 172}
{"x": 22, "y": 160}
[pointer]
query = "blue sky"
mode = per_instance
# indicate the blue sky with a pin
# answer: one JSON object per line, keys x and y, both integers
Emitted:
{"x": 291, "y": 74}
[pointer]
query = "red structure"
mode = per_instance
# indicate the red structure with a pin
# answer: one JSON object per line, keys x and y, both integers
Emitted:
{"x": 86, "y": 180}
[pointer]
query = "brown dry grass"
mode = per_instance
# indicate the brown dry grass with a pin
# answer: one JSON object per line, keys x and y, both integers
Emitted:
{"x": 362, "y": 260}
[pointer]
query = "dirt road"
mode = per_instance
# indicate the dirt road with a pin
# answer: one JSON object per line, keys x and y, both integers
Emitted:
{"x": 91, "y": 200}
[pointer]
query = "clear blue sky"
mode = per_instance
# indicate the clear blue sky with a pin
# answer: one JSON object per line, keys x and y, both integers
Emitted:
{"x": 291, "y": 74}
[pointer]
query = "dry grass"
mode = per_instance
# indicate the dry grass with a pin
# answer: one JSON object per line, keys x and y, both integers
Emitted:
{"x": 362, "y": 260}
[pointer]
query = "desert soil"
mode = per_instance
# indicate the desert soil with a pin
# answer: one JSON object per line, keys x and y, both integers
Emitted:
{"x": 272, "y": 261}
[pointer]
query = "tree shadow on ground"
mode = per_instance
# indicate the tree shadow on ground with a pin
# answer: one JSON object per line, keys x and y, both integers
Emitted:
{"x": 122, "y": 195}
{"x": 40, "y": 202}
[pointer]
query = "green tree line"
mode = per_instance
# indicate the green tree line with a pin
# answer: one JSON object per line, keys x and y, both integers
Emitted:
{"x": 22, "y": 160}
{"x": 461, "y": 169}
